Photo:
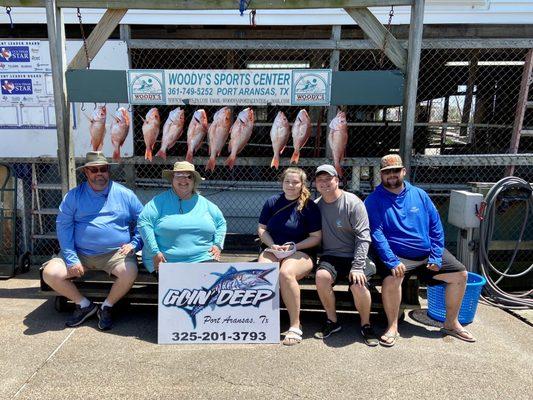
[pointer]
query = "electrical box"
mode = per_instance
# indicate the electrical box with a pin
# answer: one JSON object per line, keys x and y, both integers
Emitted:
{"x": 462, "y": 212}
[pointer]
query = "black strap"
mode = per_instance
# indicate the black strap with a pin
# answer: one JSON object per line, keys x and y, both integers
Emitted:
{"x": 284, "y": 207}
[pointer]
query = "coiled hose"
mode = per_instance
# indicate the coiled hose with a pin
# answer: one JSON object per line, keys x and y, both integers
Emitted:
{"x": 493, "y": 294}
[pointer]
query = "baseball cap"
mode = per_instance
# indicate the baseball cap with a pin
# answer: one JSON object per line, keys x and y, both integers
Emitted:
{"x": 391, "y": 161}
{"x": 326, "y": 168}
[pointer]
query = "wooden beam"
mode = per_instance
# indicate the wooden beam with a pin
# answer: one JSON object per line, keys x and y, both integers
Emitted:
{"x": 98, "y": 37}
{"x": 411, "y": 86}
{"x": 380, "y": 35}
{"x": 208, "y": 4}
{"x": 65, "y": 140}
{"x": 334, "y": 61}
{"x": 521, "y": 108}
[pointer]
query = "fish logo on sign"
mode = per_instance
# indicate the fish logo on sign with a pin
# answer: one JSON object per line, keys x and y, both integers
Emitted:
{"x": 146, "y": 88}
{"x": 17, "y": 86}
{"x": 15, "y": 54}
{"x": 311, "y": 87}
{"x": 234, "y": 288}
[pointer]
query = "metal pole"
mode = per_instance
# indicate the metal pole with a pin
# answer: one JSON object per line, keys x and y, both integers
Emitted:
{"x": 334, "y": 65}
{"x": 411, "y": 85}
{"x": 65, "y": 143}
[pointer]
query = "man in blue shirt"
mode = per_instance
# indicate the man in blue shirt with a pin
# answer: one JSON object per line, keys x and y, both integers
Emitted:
{"x": 96, "y": 229}
{"x": 407, "y": 236}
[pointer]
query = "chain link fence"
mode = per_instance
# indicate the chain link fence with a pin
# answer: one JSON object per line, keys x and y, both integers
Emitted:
{"x": 466, "y": 105}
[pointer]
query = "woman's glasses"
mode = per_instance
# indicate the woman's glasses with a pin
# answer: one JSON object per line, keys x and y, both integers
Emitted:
{"x": 95, "y": 170}
{"x": 183, "y": 176}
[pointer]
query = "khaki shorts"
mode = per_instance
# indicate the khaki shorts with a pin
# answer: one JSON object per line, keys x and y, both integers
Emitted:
{"x": 102, "y": 262}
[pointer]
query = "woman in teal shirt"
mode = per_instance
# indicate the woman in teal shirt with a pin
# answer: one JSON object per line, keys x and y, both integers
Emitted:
{"x": 180, "y": 225}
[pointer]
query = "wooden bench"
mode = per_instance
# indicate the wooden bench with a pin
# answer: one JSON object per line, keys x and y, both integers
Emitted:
{"x": 96, "y": 285}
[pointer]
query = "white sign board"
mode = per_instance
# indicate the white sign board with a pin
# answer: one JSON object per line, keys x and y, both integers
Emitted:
{"x": 27, "y": 112}
{"x": 218, "y": 303}
{"x": 249, "y": 87}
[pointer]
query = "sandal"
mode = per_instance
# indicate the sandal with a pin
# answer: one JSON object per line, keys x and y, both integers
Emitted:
{"x": 459, "y": 334}
{"x": 390, "y": 339}
{"x": 293, "y": 337}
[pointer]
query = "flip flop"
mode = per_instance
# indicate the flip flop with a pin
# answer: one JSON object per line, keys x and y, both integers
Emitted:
{"x": 391, "y": 339}
{"x": 459, "y": 334}
{"x": 293, "y": 337}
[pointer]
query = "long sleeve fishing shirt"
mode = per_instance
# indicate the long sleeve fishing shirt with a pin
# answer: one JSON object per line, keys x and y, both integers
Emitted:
{"x": 406, "y": 225}
{"x": 183, "y": 230}
{"x": 94, "y": 223}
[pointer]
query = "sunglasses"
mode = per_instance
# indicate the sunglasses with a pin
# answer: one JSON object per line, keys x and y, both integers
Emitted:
{"x": 95, "y": 170}
{"x": 184, "y": 176}
{"x": 392, "y": 171}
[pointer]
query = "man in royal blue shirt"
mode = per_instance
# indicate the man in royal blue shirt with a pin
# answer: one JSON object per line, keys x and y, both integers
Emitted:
{"x": 407, "y": 236}
{"x": 96, "y": 229}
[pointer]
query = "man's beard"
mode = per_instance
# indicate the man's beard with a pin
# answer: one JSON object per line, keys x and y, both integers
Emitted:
{"x": 397, "y": 183}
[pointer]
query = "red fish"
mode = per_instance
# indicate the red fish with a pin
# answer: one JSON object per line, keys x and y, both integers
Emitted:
{"x": 301, "y": 131}
{"x": 97, "y": 127}
{"x": 196, "y": 133}
{"x": 172, "y": 130}
{"x": 240, "y": 133}
{"x": 120, "y": 127}
{"x": 151, "y": 131}
{"x": 218, "y": 135}
{"x": 279, "y": 135}
{"x": 337, "y": 139}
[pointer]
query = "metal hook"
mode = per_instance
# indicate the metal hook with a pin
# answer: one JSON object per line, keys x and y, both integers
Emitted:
{"x": 129, "y": 107}
{"x": 82, "y": 108}
{"x": 95, "y": 105}
{"x": 118, "y": 106}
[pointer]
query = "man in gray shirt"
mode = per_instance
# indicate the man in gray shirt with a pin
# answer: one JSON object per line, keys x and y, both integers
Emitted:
{"x": 345, "y": 244}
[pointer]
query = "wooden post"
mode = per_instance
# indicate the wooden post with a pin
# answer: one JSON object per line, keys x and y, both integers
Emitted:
{"x": 411, "y": 85}
{"x": 469, "y": 95}
{"x": 445, "y": 114}
{"x": 334, "y": 61}
{"x": 129, "y": 169}
{"x": 65, "y": 142}
{"x": 521, "y": 108}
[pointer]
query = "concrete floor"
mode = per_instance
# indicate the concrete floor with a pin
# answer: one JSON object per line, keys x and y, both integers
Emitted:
{"x": 42, "y": 359}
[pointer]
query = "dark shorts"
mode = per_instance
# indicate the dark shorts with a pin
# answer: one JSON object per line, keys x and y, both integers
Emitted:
{"x": 449, "y": 264}
{"x": 341, "y": 266}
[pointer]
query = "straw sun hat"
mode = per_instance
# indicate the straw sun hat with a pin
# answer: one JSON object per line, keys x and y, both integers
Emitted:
{"x": 94, "y": 158}
{"x": 181, "y": 166}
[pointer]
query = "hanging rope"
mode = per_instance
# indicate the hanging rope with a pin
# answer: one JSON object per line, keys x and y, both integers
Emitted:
{"x": 382, "y": 57}
{"x": 8, "y": 12}
{"x": 78, "y": 13}
{"x": 252, "y": 17}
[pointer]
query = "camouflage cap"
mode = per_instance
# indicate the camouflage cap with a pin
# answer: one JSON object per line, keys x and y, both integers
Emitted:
{"x": 391, "y": 161}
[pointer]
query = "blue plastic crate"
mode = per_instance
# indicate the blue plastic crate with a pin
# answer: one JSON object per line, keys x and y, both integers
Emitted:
{"x": 437, "y": 305}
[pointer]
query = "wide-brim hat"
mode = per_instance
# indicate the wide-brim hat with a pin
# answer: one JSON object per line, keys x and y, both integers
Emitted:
{"x": 181, "y": 166}
{"x": 391, "y": 161}
{"x": 94, "y": 158}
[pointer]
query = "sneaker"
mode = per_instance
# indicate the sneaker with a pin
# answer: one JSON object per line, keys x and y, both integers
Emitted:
{"x": 105, "y": 319}
{"x": 81, "y": 314}
{"x": 327, "y": 329}
{"x": 369, "y": 336}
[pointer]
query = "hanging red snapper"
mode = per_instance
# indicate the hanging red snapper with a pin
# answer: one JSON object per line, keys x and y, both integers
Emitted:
{"x": 337, "y": 139}
{"x": 240, "y": 134}
{"x": 279, "y": 135}
{"x": 97, "y": 127}
{"x": 196, "y": 133}
{"x": 151, "y": 131}
{"x": 218, "y": 135}
{"x": 301, "y": 131}
{"x": 172, "y": 130}
{"x": 120, "y": 127}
